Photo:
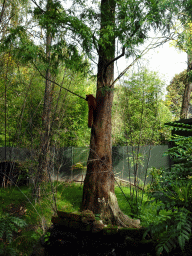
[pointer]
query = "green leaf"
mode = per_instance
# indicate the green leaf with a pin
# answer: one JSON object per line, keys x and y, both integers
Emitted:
{"x": 159, "y": 250}
{"x": 181, "y": 241}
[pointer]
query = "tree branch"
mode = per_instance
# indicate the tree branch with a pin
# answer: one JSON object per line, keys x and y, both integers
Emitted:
{"x": 124, "y": 71}
{"x": 113, "y": 60}
{"x": 57, "y": 83}
{"x": 38, "y": 5}
{"x": 2, "y": 11}
{"x": 123, "y": 51}
{"x": 149, "y": 47}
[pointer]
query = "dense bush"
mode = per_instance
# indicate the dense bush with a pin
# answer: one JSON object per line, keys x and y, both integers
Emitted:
{"x": 172, "y": 187}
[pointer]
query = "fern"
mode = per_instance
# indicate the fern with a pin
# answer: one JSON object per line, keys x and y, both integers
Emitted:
{"x": 183, "y": 227}
{"x": 173, "y": 189}
{"x": 9, "y": 224}
{"x": 167, "y": 243}
{"x": 8, "y": 251}
{"x": 171, "y": 232}
{"x": 2, "y": 228}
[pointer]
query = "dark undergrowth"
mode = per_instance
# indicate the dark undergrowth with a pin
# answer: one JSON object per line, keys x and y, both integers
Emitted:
{"x": 17, "y": 202}
{"x": 26, "y": 221}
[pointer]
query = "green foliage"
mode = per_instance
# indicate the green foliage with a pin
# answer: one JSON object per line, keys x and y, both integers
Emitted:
{"x": 174, "y": 230}
{"x": 173, "y": 189}
{"x": 24, "y": 98}
{"x": 181, "y": 154}
{"x": 69, "y": 198}
{"x": 78, "y": 166}
{"x": 23, "y": 111}
{"x": 46, "y": 237}
{"x": 71, "y": 127}
{"x": 156, "y": 177}
{"x": 23, "y": 76}
{"x": 69, "y": 30}
{"x": 8, "y": 225}
{"x": 38, "y": 215}
{"x": 132, "y": 18}
{"x": 175, "y": 93}
{"x": 130, "y": 201}
{"x": 27, "y": 44}
{"x": 142, "y": 112}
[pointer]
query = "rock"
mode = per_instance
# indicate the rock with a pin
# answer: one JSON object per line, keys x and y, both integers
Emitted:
{"x": 82, "y": 235}
{"x": 97, "y": 226}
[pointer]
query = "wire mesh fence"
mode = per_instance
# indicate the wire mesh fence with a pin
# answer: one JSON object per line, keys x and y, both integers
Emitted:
{"x": 130, "y": 163}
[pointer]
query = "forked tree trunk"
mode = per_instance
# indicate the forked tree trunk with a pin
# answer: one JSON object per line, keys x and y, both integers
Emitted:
{"x": 188, "y": 89}
{"x": 98, "y": 191}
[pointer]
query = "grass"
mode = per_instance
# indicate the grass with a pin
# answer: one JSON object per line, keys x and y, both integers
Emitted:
{"x": 18, "y": 202}
{"x": 68, "y": 198}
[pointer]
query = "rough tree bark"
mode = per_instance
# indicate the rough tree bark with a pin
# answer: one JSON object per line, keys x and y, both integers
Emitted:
{"x": 98, "y": 191}
{"x": 188, "y": 89}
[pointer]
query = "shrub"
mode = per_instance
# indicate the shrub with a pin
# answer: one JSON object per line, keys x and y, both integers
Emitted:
{"x": 8, "y": 225}
{"x": 173, "y": 188}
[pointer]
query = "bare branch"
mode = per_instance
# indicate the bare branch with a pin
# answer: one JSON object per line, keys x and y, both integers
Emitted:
{"x": 57, "y": 83}
{"x": 113, "y": 60}
{"x": 146, "y": 50}
{"x": 2, "y": 11}
{"x": 38, "y": 5}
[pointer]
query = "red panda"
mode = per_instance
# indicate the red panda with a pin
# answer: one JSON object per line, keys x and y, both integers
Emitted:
{"x": 92, "y": 107}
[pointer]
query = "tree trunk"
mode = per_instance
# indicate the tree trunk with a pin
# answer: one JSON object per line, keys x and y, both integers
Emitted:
{"x": 44, "y": 154}
{"x": 98, "y": 191}
{"x": 188, "y": 89}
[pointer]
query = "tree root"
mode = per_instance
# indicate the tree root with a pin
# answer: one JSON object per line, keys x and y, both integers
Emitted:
{"x": 112, "y": 214}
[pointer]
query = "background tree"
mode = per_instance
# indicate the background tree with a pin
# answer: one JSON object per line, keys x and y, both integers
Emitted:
{"x": 45, "y": 54}
{"x": 188, "y": 84}
{"x": 182, "y": 9}
{"x": 44, "y": 154}
{"x": 142, "y": 112}
{"x": 70, "y": 114}
{"x": 184, "y": 43}
{"x": 23, "y": 99}
{"x": 174, "y": 94}
{"x": 187, "y": 91}
{"x": 12, "y": 14}
{"x": 25, "y": 92}
{"x": 9, "y": 18}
